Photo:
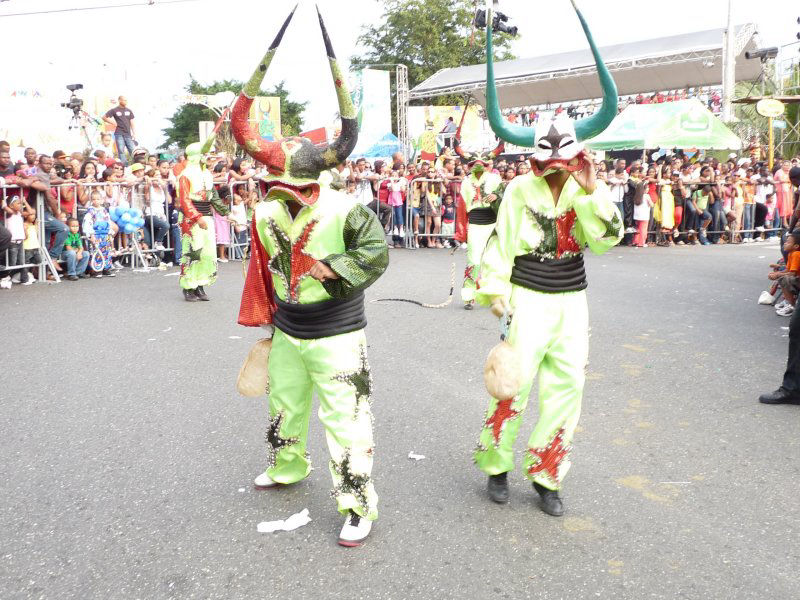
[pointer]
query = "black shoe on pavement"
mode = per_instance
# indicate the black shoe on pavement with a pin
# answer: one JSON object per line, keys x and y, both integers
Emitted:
{"x": 72, "y": 277}
{"x": 780, "y": 396}
{"x": 469, "y": 305}
{"x": 550, "y": 502}
{"x": 498, "y": 488}
{"x": 189, "y": 296}
{"x": 84, "y": 275}
{"x": 201, "y": 294}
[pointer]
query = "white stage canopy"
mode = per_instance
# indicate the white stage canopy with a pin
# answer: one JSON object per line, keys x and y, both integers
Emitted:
{"x": 668, "y": 63}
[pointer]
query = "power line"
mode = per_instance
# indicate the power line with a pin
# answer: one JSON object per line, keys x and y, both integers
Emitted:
{"x": 83, "y": 8}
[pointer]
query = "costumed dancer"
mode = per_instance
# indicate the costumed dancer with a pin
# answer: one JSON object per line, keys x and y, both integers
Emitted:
{"x": 198, "y": 240}
{"x": 314, "y": 251}
{"x": 533, "y": 270}
{"x": 482, "y": 193}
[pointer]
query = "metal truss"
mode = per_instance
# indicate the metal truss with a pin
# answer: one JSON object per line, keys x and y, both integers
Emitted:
{"x": 713, "y": 54}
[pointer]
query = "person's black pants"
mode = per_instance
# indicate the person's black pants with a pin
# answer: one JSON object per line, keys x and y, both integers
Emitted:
{"x": 761, "y": 215}
{"x": 791, "y": 379}
{"x": 383, "y": 211}
{"x": 5, "y": 244}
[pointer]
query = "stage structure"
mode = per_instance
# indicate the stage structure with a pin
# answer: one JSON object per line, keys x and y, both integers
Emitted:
{"x": 675, "y": 62}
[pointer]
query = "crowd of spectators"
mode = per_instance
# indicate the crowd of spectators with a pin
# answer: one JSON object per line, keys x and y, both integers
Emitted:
{"x": 57, "y": 196}
{"x": 667, "y": 199}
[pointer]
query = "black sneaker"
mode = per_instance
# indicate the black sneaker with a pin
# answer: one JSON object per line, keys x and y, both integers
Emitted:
{"x": 190, "y": 296}
{"x": 201, "y": 294}
{"x": 549, "y": 500}
{"x": 84, "y": 275}
{"x": 72, "y": 277}
{"x": 498, "y": 488}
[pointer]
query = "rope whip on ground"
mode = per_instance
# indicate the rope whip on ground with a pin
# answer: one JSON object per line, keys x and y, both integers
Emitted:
{"x": 424, "y": 304}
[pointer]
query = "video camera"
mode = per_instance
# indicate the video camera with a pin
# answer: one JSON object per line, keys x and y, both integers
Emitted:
{"x": 74, "y": 103}
{"x": 499, "y": 21}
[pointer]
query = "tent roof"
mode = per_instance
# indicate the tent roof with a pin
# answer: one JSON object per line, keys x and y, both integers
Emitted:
{"x": 674, "y": 62}
{"x": 682, "y": 124}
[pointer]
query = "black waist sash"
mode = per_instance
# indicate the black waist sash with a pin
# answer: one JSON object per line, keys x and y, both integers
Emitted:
{"x": 203, "y": 207}
{"x": 549, "y": 274}
{"x": 321, "y": 319}
{"x": 482, "y": 216}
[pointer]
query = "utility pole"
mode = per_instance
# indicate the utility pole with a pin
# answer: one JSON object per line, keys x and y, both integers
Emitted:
{"x": 728, "y": 67}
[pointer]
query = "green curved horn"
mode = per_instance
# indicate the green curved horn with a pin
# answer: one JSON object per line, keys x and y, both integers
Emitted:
{"x": 520, "y": 136}
{"x": 594, "y": 125}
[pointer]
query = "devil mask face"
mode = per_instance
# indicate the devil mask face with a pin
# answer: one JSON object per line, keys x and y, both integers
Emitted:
{"x": 294, "y": 164}
{"x": 557, "y": 146}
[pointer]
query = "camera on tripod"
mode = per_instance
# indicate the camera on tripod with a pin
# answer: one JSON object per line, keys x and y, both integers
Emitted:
{"x": 74, "y": 103}
{"x": 499, "y": 21}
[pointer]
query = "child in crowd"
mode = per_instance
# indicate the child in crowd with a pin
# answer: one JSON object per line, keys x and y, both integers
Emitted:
{"x": 770, "y": 219}
{"x": 787, "y": 279}
{"x": 449, "y": 221}
{"x": 238, "y": 217}
{"x": 30, "y": 247}
{"x": 397, "y": 190}
{"x": 77, "y": 258}
{"x": 16, "y": 227}
{"x": 642, "y": 209}
{"x": 351, "y": 189}
{"x": 434, "y": 213}
{"x": 222, "y": 226}
{"x": 99, "y": 235}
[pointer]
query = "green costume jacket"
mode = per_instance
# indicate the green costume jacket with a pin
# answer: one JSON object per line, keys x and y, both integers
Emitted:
{"x": 335, "y": 230}
{"x": 530, "y": 224}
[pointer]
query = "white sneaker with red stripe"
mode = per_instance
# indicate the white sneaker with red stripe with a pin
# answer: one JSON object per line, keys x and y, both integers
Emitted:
{"x": 355, "y": 531}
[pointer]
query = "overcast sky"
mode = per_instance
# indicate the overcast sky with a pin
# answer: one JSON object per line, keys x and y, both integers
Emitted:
{"x": 147, "y": 52}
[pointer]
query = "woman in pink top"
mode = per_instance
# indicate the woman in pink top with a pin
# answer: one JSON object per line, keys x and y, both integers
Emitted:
{"x": 783, "y": 192}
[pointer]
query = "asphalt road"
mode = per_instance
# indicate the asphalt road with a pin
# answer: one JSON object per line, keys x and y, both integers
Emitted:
{"x": 127, "y": 456}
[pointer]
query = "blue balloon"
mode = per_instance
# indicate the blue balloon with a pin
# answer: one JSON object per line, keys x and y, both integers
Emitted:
{"x": 124, "y": 218}
{"x": 114, "y": 213}
{"x": 129, "y": 228}
{"x": 135, "y": 212}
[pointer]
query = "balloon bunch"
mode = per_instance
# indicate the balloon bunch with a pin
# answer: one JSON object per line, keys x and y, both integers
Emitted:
{"x": 128, "y": 219}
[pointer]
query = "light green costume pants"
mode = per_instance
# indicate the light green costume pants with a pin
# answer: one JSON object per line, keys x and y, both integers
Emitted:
{"x": 477, "y": 236}
{"x": 336, "y": 368}
{"x": 199, "y": 256}
{"x": 550, "y": 332}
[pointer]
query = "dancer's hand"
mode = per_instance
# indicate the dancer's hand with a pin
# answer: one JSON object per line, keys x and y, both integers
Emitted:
{"x": 322, "y": 272}
{"x": 202, "y": 224}
{"x": 499, "y": 307}
{"x": 586, "y": 177}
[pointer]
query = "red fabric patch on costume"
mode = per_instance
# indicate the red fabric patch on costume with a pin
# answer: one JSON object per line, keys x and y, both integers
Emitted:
{"x": 258, "y": 296}
{"x": 469, "y": 272}
{"x": 566, "y": 243}
{"x": 550, "y": 456}
{"x": 301, "y": 262}
{"x": 502, "y": 413}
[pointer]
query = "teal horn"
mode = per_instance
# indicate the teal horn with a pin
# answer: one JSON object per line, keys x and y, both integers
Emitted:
{"x": 520, "y": 136}
{"x": 596, "y": 124}
{"x": 584, "y": 128}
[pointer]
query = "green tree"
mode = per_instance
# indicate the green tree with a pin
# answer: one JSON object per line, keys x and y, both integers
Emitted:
{"x": 184, "y": 129}
{"x": 426, "y": 36}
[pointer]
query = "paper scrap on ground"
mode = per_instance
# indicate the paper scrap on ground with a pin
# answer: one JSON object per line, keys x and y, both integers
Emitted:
{"x": 413, "y": 456}
{"x": 234, "y": 337}
{"x": 175, "y": 274}
{"x": 166, "y": 330}
{"x": 293, "y": 522}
